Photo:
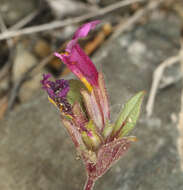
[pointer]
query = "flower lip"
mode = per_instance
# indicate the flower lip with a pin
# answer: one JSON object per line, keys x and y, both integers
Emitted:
{"x": 76, "y": 59}
{"x": 57, "y": 89}
{"x": 81, "y": 33}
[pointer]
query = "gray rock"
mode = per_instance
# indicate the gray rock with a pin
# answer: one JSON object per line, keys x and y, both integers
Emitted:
{"x": 37, "y": 154}
{"x": 64, "y": 8}
{"x": 19, "y": 67}
{"x": 13, "y": 11}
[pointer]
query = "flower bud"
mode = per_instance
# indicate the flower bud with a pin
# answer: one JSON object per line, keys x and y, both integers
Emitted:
{"x": 90, "y": 137}
{"x": 91, "y": 140}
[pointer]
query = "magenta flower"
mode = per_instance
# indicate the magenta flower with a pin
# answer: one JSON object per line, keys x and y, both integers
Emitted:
{"x": 85, "y": 111}
{"x": 76, "y": 59}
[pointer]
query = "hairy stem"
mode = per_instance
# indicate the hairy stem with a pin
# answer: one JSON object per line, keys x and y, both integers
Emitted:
{"x": 89, "y": 184}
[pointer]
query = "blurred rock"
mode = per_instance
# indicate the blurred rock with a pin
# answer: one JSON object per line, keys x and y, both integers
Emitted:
{"x": 64, "y": 8}
{"x": 30, "y": 87}
{"x": 33, "y": 153}
{"x": 13, "y": 11}
{"x": 153, "y": 162}
{"x": 23, "y": 61}
{"x": 37, "y": 154}
{"x": 3, "y": 86}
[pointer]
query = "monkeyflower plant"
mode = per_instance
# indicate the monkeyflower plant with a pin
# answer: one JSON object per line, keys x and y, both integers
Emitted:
{"x": 85, "y": 112}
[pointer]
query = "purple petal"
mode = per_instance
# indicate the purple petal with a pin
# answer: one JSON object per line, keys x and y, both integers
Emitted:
{"x": 57, "y": 89}
{"x": 84, "y": 64}
{"x": 85, "y": 28}
{"x": 66, "y": 59}
{"x": 76, "y": 59}
{"x": 81, "y": 33}
{"x": 44, "y": 82}
{"x": 80, "y": 64}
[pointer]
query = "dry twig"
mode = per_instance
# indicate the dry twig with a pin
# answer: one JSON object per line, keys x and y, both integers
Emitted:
{"x": 8, "y": 66}
{"x": 156, "y": 80}
{"x": 4, "y": 29}
{"x": 18, "y": 25}
{"x": 59, "y": 24}
{"x": 24, "y": 21}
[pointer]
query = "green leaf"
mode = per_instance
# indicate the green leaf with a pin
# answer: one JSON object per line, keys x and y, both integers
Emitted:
{"x": 129, "y": 115}
{"x": 74, "y": 94}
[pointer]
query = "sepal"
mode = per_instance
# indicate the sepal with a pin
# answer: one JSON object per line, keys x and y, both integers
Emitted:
{"x": 103, "y": 97}
{"x": 74, "y": 133}
{"x": 93, "y": 109}
{"x": 107, "y": 155}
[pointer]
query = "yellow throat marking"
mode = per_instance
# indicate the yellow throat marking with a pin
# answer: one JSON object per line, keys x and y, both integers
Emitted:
{"x": 86, "y": 83}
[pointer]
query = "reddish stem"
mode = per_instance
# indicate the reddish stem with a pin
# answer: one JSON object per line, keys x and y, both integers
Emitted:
{"x": 89, "y": 184}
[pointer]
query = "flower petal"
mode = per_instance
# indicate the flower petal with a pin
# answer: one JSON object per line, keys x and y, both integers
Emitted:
{"x": 81, "y": 33}
{"x": 76, "y": 59}
{"x": 81, "y": 65}
{"x": 57, "y": 89}
{"x": 85, "y": 28}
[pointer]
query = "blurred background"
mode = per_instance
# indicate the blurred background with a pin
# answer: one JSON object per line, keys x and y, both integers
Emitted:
{"x": 138, "y": 46}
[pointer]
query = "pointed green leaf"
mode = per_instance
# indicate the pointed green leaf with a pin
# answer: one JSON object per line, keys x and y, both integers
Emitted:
{"x": 74, "y": 94}
{"x": 129, "y": 115}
